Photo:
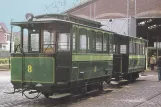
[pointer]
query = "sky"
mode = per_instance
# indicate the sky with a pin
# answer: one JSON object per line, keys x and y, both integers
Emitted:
{"x": 16, "y": 9}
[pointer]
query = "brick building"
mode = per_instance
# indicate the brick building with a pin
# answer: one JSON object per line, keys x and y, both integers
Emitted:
{"x": 5, "y": 38}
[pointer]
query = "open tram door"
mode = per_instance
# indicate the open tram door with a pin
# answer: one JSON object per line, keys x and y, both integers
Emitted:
{"x": 120, "y": 56}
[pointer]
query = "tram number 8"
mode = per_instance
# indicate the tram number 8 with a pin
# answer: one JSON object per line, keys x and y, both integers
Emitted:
{"x": 29, "y": 68}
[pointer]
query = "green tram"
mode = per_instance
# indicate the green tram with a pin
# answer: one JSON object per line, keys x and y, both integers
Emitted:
{"x": 67, "y": 55}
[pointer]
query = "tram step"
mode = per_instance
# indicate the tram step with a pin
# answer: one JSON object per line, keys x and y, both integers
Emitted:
{"x": 57, "y": 96}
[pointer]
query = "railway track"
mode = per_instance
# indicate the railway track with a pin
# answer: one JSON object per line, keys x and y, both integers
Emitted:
{"x": 148, "y": 99}
{"x": 61, "y": 102}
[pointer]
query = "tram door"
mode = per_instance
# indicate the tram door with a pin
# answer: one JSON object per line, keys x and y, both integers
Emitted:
{"x": 120, "y": 57}
{"x": 63, "y": 58}
{"x": 120, "y": 65}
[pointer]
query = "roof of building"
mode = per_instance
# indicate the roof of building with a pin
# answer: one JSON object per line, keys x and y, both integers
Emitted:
{"x": 80, "y": 5}
{"x": 4, "y": 27}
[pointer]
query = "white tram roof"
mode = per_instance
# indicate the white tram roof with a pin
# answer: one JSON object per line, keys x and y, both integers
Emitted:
{"x": 44, "y": 19}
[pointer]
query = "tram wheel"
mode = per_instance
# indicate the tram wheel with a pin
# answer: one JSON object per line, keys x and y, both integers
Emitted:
{"x": 46, "y": 95}
{"x": 101, "y": 86}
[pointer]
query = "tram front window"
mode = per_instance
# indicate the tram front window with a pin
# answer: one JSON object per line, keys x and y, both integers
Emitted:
{"x": 44, "y": 38}
{"x": 49, "y": 41}
{"x": 38, "y": 41}
{"x": 34, "y": 42}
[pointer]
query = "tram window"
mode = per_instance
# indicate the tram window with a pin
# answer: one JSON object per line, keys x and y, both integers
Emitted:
{"x": 83, "y": 45}
{"x": 74, "y": 38}
{"x": 143, "y": 50}
{"x": 88, "y": 42}
{"x": 130, "y": 48}
{"x": 99, "y": 41}
{"x": 64, "y": 42}
{"x": 111, "y": 43}
{"x": 134, "y": 48}
{"x": 49, "y": 42}
{"x": 137, "y": 48}
{"x": 35, "y": 42}
{"x": 25, "y": 40}
{"x": 92, "y": 41}
{"x": 114, "y": 48}
{"x": 123, "y": 49}
{"x": 105, "y": 43}
{"x": 83, "y": 40}
{"x": 74, "y": 41}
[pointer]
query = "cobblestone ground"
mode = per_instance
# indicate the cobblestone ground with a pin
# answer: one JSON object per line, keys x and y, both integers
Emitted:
{"x": 145, "y": 92}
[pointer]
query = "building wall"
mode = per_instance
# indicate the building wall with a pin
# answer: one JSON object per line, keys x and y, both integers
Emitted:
{"x": 8, "y": 46}
{"x": 120, "y": 11}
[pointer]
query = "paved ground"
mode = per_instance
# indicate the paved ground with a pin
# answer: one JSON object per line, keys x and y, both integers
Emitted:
{"x": 145, "y": 92}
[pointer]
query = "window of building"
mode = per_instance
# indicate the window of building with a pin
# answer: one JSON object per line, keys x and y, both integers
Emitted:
{"x": 8, "y": 37}
{"x": 0, "y": 46}
{"x": 5, "y": 37}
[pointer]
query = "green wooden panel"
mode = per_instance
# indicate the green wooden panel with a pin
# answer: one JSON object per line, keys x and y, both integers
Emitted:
{"x": 91, "y": 69}
{"x": 136, "y": 62}
{"x": 35, "y": 69}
